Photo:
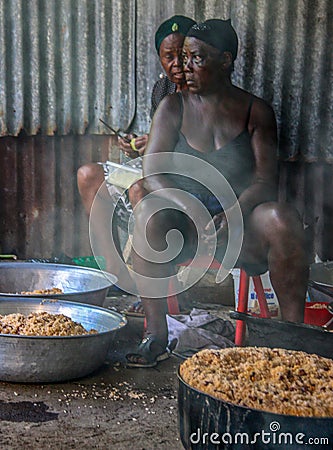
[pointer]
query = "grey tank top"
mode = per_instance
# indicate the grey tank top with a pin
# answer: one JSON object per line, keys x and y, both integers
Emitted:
{"x": 235, "y": 160}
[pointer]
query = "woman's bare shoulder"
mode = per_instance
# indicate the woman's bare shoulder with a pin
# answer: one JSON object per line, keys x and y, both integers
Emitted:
{"x": 257, "y": 102}
{"x": 171, "y": 101}
{"x": 169, "y": 110}
{"x": 262, "y": 113}
{"x": 261, "y": 105}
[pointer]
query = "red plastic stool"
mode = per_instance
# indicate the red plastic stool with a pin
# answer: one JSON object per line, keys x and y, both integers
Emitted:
{"x": 243, "y": 295}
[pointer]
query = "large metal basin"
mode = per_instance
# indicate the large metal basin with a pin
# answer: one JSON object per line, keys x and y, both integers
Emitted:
{"x": 79, "y": 284}
{"x": 52, "y": 359}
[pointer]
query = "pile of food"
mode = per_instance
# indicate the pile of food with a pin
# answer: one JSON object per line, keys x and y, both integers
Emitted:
{"x": 276, "y": 380}
{"x": 41, "y": 324}
{"x": 51, "y": 291}
{"x": 318, "y": 306}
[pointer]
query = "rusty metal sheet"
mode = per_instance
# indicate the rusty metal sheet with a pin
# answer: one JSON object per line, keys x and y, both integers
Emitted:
{"x": 41, "y": 214}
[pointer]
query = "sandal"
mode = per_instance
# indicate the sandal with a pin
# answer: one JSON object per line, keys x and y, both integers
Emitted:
{"x": 132, "y": 311}
{"x": 144, "y": 352}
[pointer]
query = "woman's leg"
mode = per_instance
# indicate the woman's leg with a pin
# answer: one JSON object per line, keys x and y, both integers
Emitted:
{"x": 136, "y": 193}
{"x": 94, "y": 194}
{"x": 274, "y": 238}
{"x": 155, "y": 230}
{"x": 90, "y": 178}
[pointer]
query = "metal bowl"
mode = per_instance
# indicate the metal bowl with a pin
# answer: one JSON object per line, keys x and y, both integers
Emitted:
{"x": 79, "y": 284}
{"x": 42, "y": 359}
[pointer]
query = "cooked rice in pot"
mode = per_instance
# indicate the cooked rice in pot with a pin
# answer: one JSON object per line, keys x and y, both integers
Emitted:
{"x": 276, "y": 380}
{"x": 41, "y": 324}
{"x": 49, "y": 291}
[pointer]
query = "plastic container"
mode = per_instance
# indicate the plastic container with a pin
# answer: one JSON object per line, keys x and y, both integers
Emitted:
{"x": 122, "y": 175}
{"x": 316, "y": 313}
{"x": 253, "y": 304}
{"x": 97, "y": 262}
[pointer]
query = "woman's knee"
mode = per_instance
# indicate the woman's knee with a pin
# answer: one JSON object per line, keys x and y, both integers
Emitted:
{"x": 278, "y": 215}
{"x": 156, "y": 225}
{"x": 278, "y": 221}
{"x": 149, "y": 219}
{"x": 90, "y": 174}
{"x": 136, "y": 192}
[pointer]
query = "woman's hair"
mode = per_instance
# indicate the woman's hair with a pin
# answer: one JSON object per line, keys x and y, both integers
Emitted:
{"x": 217, "y": 33}
{"x": 176, "y": 24}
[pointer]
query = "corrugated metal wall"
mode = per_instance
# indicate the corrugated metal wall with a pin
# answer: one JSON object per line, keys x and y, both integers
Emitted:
{"x": 65, "y": 63}
{"x": 285, "y": 56}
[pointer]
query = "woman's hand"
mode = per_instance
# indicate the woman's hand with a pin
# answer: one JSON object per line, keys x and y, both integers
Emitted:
{"x": 217, "y": 229}
{"x": 136, "y": 147}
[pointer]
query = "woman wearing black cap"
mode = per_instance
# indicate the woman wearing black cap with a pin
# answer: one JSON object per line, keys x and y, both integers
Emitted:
{"x": 169, "y": 40}
{"x": 234, "y": 131}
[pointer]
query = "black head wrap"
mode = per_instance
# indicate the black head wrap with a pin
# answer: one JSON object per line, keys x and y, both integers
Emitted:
{"x": 217, "y": 33}
{"x": 176, "y": 24}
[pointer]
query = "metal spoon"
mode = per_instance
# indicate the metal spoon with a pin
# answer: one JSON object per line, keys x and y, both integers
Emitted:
{"x": 329, "y": 306}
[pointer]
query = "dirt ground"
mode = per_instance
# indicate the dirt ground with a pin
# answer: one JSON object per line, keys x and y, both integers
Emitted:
{"x": 116, "y": 407}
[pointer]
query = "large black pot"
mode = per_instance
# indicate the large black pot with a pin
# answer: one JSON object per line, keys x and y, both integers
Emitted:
{"x": 291, "y": 336}
{"x": 207, "y": 423}
{"x": 322, "y": 275}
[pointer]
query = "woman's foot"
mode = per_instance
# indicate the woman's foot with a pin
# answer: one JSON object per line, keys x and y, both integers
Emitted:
{"x": 148, "y": 353}
{"x": 135, "y": 310}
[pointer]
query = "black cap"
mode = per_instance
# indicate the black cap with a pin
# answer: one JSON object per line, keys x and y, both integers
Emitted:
{"x": 176, "y": 24}
{"x": 217, "y": 33}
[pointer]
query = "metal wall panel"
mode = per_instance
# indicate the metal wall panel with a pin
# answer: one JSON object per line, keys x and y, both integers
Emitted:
{"x": 64, "y": 64}
{"x": 309, "y": 187}
{"x": 41, "y": 214}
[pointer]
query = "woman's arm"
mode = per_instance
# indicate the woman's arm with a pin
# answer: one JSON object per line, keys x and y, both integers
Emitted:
{"x": 262, "y": 127}
{"x": 163, "y": 137}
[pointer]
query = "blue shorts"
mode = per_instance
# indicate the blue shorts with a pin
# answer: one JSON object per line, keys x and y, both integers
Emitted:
{"x": 211, "y": 203}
